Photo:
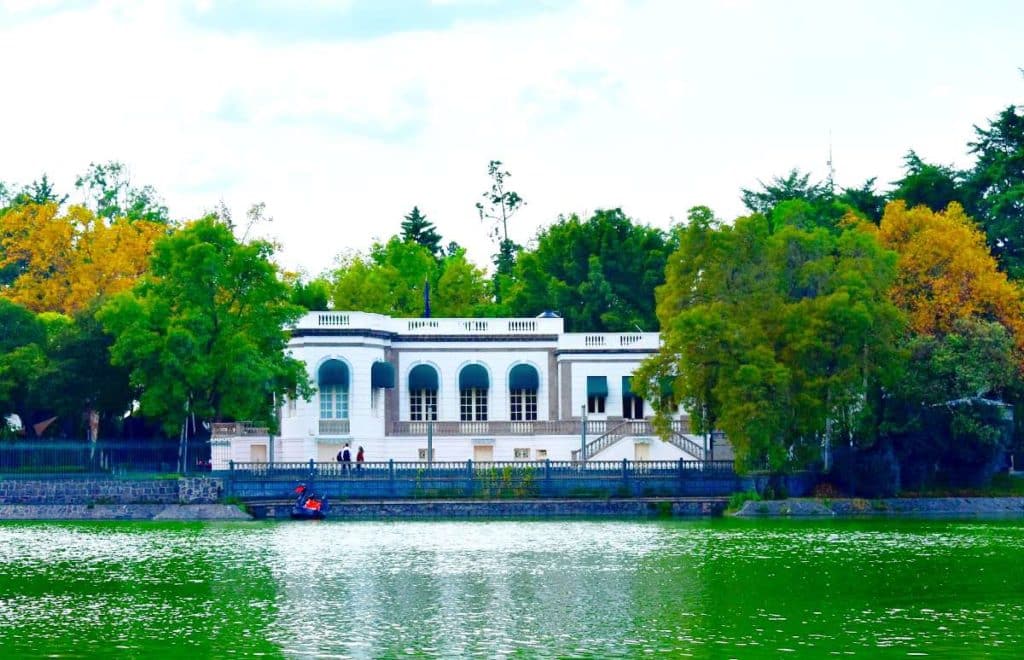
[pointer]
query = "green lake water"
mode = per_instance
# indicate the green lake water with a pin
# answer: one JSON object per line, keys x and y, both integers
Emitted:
{"x": 668, "y": 588}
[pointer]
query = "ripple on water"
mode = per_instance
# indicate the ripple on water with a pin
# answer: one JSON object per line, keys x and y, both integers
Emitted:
{"x": 504, "y": 588}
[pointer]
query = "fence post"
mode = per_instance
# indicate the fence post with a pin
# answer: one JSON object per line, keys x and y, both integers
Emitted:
{"x": 625, "y": 469}
{"x": 312, "y": 469}
{"x": 391, "y": 469}
{"x": 231, "y": 477}
{"x": 547, "y": 468}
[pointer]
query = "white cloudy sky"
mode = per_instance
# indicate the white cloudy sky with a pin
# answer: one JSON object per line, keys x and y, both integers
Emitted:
{"x": 341, "y": 116}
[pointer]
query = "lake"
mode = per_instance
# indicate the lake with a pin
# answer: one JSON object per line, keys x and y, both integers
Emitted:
{"x": 565, "y": 588}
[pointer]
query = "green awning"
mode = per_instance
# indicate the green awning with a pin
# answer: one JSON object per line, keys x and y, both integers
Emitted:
{"x": 473, "y": 375}
{"x": 333, "y": 372}
{"x": 423, "y": 377}
{"x": 523, "y": 377}
{"x": 382, "y": 374}
{"x": 627, "y": 386}
{"x": 597, "y": 386}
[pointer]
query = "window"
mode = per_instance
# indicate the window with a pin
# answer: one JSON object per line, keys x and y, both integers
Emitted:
{"x": 524, "y": 405}
{"x": 632, "y": 405}
{"x": 423, "y": 454}
{"x": 521, "y": 454}
{"x": 332, "y": 381}
{"x": 522, "y": 386}
{"x": 473, "y": 386}
{"x": 333, "y": 402}
{"x": 542, "y": 454}
{"x": 597, "y": 392}
{"x": 423, "y": 405}
{"x": 595, "y": 404}
{"x": 473, "y": 405}
{"x": 423, "y": 385}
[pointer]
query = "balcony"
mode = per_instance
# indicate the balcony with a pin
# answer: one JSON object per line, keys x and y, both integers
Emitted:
{"x": 237, "y": 430}
{"x": 589, "y": 341}
{"x": 639, "y": 427}
{"x": 429, "y": 326}
{"x": 334, "y": 427}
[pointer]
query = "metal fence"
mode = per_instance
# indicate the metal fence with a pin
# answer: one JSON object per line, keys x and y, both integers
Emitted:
{"x": 399, "y": 479}
{"x": 102, "y": 458}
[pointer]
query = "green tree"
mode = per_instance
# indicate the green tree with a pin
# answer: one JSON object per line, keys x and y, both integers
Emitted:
{"x": 498, "y": 207}
{"x": 111, "y": 195}
{"x": 600, "y": 274}
{"x": 925, "y": 184}
{"x": 461, "y": 289}
{"x": 795, "y": 185}
{"x": 22, "y": 360}
{"x": 313, "y": 295}
{"x": 865, "y": 201}
{"x": 416, "y": 228}
{"x": 775, "y": 336}
{"x": 997, "y": 187}
{"x": 205, "y": 331}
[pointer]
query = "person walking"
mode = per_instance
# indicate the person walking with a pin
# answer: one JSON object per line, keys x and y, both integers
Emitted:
{"x": 346, "y": 459}
{"x": 359, "y": 459}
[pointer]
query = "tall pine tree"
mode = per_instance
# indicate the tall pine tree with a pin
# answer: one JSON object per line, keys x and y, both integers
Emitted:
{"x": 418, "y": 229}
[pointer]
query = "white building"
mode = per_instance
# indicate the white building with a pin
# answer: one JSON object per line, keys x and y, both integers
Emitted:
{"x": 484, "y": 389}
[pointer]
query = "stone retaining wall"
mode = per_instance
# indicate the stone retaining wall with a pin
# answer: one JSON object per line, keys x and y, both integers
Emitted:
{"x": 185, "y": 490}
{"x": 449, "y": 509}
{"x": 121, "y": 512}
{"x": 918, "y": 506}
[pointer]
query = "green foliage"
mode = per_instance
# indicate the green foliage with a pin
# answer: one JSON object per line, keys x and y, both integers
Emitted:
{"x": 498, "y": 207}
{"x": 204, "y": 331}
{"x": 996, "y": 186}
{"x": 417, "y": 229}
{"x": 925, "y": 184}
{"x": 738, "y": 499}
{"x": 110, "y": 194}
{"x": 600, "y": 274}
{"x": 392, "y": 279}
{"x": 774, "y": 336}
{"x": 313, "y": 296}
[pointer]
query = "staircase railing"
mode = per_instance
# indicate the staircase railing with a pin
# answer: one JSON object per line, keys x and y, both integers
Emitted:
{"x": 689, "y": 446}
{"x": 602, "y": 442}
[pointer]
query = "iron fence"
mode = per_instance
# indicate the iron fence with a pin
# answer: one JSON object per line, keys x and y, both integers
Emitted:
{"x": 101, "y": 458}
{"x": 439, "y": 479}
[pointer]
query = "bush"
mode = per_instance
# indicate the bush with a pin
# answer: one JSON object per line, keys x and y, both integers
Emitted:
{"x": 737, "y": 500}
{"x": 872, "y": 472}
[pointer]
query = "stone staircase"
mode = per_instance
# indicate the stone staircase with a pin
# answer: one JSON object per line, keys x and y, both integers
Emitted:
{"x": 631, "y": 427}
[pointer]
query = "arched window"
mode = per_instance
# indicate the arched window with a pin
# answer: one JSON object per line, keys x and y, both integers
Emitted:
{"x": 473, "y": 386}
{"x": 332, "y": 381}
{"x": 423, "y": 386}
{"x": 522, "y": 387}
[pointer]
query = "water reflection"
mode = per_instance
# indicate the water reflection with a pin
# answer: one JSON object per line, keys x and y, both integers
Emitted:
{"x": 506, "y": 588}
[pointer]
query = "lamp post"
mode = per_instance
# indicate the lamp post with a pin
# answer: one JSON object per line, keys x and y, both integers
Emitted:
{"x": 583, "y": 433}
{"x": 430, "y": 442}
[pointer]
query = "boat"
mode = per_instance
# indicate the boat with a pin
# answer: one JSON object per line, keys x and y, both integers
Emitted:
{"x": 309, "y": 505}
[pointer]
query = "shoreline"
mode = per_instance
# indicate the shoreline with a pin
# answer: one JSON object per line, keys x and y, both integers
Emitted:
{"x": 853, "y": 507}
{"x": 839, "y": 508}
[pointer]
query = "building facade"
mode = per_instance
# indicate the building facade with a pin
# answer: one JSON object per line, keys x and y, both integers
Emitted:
{"x": 508, "y": 389}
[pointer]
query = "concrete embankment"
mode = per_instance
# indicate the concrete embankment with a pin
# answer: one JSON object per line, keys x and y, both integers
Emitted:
{"x": 122, "y": 512}
{"x": 525, "y": 508}
{"x": 855, "y": 507}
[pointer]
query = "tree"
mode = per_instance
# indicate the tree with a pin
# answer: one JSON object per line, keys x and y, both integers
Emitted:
{"x": 996, "y": 186}
{"x": 775, "y": 336}
{"x": 865, "y": 200}
{"x": 40, "y": 191}
{"x": 108, "y": 187}
{"x": 945, "y": 271}
{"x": 600, "y": 274}
{"x": 418, "y": 229}
{"x": 205, "y": 331}
{"x": 66, "y": 263}
{"x": 498, "y": 207}
{"x": 22, "y": 359}
{"x": 794, "y": 185}
{"x": 313, "y": 295}
{"x": 925, "y": 184}
{"x": 393, "y": 278}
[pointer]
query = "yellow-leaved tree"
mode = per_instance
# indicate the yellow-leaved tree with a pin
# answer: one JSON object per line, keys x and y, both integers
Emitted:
{"x": 946, "y": 272}
{"x": 64, "y": 263}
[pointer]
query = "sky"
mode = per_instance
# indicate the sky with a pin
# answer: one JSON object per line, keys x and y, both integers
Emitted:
{"x": 342, "y": 115}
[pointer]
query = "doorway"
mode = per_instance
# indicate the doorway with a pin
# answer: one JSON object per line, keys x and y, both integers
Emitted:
{"x": 258, "y": 453}
{"x": 483, "y": 453}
